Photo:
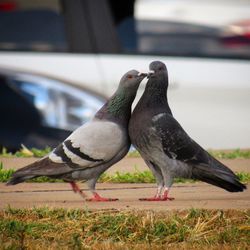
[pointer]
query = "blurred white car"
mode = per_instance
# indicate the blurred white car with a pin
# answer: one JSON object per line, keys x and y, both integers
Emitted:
{"x": 39, "y": 111}
{"x": 91, "y": 43}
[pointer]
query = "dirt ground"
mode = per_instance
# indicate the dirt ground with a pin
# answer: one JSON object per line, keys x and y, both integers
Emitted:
{"x": 192, "y": 195}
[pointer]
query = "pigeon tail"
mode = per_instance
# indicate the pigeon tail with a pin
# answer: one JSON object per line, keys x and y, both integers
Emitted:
{"x": 43, "y": 167}
{"x": 16, "y": 180}
{"x": 218, "y": 177}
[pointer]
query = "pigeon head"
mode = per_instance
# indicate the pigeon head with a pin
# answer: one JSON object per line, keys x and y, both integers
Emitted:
{"x": 118, "y": 106}
{"x": 131, "y": 80}
{"x": 156, "y": 88}
{"x": 158, "y": 76}
{"x": 157, "y": 68}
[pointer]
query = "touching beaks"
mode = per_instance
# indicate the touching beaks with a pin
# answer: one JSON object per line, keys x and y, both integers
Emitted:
{"x": 142, "y": 74}
{"x": 150, "y": 72}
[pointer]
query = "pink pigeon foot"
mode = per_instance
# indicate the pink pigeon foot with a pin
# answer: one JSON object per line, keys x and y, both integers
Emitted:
{"x": 165, "y": 197}
{"x": 76, "y": 189}
{"x": 158, "y": 197}
{"x": 155, "y": 198}
{"x": 98, "y": 198}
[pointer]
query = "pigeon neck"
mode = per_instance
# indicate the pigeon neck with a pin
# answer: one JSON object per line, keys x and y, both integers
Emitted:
{"x": 155, "y": 95}
{"x": 118, "y": 108}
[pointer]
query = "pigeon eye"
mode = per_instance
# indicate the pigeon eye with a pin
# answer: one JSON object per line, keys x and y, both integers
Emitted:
{"x": 129, "y": 76}
{"x": 161, "y": 68}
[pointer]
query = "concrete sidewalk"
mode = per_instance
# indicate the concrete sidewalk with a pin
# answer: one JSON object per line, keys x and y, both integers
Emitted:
{"x": 198, "y": 195}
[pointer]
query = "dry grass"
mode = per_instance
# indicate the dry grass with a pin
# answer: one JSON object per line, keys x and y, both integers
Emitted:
{"x": 44, "y": 228}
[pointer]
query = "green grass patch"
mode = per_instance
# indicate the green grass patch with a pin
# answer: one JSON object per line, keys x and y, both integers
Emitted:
{"x": 5, "y": 174}
{"x": 34, "y": 152}
{"x": 133, "y": 153}
{"x": 25, "y": 152}
{"x": 230, "y": 154}
{"x": 128, "y": 177}
{"x": 118, "y": 177}
{"x": 46, "y": 228}
{"x": 219, "y": 154}
{"x": 243, "y": 177}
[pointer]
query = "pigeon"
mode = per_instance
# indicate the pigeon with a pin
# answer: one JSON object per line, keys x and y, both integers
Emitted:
{"x": 93, "y": 147}
{"x": 166, "y": 148}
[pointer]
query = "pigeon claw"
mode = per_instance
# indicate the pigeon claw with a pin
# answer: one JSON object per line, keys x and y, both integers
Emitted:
{"x": 165, "y": 197}
{"x": 98, "y": 198}
{"x": 151, "y": 199}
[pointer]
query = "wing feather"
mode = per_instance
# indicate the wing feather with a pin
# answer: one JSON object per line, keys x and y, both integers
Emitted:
{"x": 90, "y": 145}
{"x": 175, "y": 141}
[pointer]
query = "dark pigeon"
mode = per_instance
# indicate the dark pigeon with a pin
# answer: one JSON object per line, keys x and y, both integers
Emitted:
{"x": 92, "y": 148}
{"x": 166, "y": 148}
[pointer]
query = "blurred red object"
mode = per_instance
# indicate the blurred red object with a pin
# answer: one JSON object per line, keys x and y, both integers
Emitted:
{"x": 7, "y": 6}
{"x": 237, "y": 34}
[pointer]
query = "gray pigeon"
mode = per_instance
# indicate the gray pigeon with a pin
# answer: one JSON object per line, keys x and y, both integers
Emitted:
{"x": 166, "y": 148}
{"x": 92, "y": 148}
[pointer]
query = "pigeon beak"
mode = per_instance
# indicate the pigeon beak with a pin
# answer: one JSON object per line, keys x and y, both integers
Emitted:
{"x": 140, "y": 74}
{"x": 150, "y": 72}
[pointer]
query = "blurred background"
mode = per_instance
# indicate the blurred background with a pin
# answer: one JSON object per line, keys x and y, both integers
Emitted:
{"x": 61, "y": 59}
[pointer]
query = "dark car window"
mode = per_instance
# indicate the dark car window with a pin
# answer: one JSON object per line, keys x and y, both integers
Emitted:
{"x": 32, "y": 26}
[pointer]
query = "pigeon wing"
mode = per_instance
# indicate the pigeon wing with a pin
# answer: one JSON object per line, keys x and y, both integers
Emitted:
{"x": 175, "y": 141}
{"x": 178, "y": 145}
{"x": 92, "y": 144}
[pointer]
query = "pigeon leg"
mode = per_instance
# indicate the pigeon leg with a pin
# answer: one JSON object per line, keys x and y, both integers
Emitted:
{"x": 165, "y": 196}
{"x": 157, "y": 196}
{"x": 76, "y": 189}
{"x": 168, "y": 182}
{"x": 159, "y": 179}
{"x": 98, "y": 198}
